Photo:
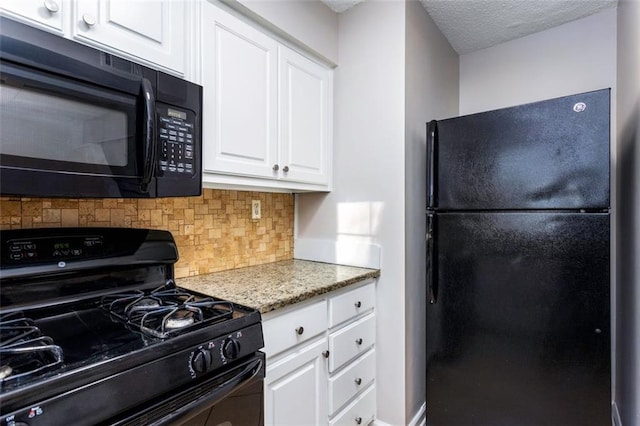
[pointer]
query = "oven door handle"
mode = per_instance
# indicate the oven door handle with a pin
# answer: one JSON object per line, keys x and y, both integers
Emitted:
{"x": 201, "y": 395}
{"x": 149, "y": 135}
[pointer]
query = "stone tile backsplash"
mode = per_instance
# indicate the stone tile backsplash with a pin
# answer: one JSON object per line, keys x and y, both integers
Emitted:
{"x": 214, "y": 232}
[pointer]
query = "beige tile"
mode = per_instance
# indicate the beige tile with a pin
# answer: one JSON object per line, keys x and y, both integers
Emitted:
{"x": 213, "y": 232}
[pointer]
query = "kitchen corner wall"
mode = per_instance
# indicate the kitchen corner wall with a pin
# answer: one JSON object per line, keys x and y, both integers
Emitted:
{"x": 214, "y": 232}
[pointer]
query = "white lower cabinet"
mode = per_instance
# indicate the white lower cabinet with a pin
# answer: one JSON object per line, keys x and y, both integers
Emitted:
{"x": 296, "y": 389}
{"x": 321, "y": 360}
{"x": 351, "y": 380}
{"x": 360, "y": 412}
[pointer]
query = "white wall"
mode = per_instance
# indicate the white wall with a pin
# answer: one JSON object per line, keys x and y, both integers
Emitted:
{"x": 431, "y": 93}
{"x": 367, "y": 203}
{"x": 575, "y": 57}
{"x": 628, "y": 214}
{"x": 309, "y": 22}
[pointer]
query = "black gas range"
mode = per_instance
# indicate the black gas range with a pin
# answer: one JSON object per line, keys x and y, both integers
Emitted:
{"x": 94, "y": 330}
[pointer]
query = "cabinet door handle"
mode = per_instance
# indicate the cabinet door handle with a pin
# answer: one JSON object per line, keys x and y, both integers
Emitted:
{"x": 88, "y": 19}
{"x": 275, "y": 168}
{"x": 358, "y": 420}
{"x": 300, "y": 330}
{"x": 358, "y": 304}
{"x": 325, "y": 354}
{"x": 359, "y": 341}
{"x": 285, "y": 169}
{"x": 51, "y": 6}
{"x": 358, "y": 381}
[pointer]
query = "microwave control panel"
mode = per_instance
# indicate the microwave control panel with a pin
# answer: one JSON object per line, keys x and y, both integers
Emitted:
{"x": 177, "y": 140}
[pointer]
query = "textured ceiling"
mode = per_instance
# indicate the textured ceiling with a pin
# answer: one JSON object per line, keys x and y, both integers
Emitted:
{"x": 471, "y": 25}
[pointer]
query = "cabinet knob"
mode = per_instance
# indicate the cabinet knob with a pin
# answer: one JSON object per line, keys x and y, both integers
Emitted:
{"x": 51, "y": 6}
{"x": 300, "y": 330}
{"x": 358, "y": 381}
{"x": 88, "y": 19}
{"x": 275, "y": 167}
{"x": 358, "y": 304}
{"x": 359, "y": 341}
{"x": 358, "y": 420}
{"x": 285, "y": 169}
{"x": 325, "y": 354}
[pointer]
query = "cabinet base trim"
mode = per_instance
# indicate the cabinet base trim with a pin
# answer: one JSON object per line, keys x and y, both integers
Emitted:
{"x": 420, "y": 418}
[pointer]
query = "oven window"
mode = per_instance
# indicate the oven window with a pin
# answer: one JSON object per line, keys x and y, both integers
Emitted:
{"x": 49, "y": 122}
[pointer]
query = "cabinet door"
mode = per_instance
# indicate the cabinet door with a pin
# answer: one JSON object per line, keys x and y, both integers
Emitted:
{"x": 305, "y": 118}
{"x": 239, "y": 75}
{"x": 46, "y": 14}
{"x": 151, "y": 30}
{"x": 296, "y": 388}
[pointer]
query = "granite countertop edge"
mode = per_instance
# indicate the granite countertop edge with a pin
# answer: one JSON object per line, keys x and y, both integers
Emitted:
{"x": 301, "y": 297}
{"x": 273, "y": 286}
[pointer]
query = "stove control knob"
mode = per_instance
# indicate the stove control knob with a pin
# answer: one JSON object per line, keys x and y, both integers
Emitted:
{"x": 231, "y": 349}
{"x": 201, "y": 360}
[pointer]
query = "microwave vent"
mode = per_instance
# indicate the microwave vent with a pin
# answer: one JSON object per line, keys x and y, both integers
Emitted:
{"x": 121, "y": 65}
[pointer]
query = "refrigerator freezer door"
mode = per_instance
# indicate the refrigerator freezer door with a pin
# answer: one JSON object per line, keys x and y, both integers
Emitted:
{"x": 520, "y": 332}
{"x": 546, "y": 155}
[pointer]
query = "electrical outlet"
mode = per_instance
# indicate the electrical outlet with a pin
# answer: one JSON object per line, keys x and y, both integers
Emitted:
{"x": 256, "y": 213}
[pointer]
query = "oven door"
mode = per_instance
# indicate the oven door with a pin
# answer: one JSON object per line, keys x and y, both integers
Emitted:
{"x": 233, "y": 396}
{"x": 76, "y": 122}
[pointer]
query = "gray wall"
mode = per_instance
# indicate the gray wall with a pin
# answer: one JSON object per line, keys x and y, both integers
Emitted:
{"x": 431, "y": 92}
{"x": 575, "y": 57}
{"x": 368, "y": 174}
{"x": 628, "y": 214}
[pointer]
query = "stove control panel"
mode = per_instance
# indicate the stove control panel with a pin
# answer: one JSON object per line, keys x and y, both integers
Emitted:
{"x": 44, "y": 249}
{"x": 225, "y": 349}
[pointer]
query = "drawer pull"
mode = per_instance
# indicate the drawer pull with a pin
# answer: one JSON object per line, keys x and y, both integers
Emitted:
{"x": 359, "y": 341}
{"x": 325, "y": 354}
{"x": 358, "y": 420}
{"x": 358, "y": 304}
{"x": 358, "y": 381}
{"x": 300, "y": 330}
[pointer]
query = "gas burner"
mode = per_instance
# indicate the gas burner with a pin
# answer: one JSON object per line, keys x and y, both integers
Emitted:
{"x": 166, "y": 311}
{"x": 179, "y": 319}
{"x": 24, "y": 351}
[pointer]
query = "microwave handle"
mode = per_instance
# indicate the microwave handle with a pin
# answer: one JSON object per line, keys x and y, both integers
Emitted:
{"x": 149, "y": 135}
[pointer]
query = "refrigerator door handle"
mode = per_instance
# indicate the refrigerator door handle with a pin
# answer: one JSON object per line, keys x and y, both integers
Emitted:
{"x": 432, "y": 142}
{"x": 432, "y": 282}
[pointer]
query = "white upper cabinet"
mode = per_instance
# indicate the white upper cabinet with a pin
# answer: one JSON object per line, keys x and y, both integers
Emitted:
{"x": 240, "y": 100}
{"x": 45, "y": 14}
{"x": 152, "y": 30}
{"x": 267, "y": 109}
{"x": 156, "y": 33}
{"x": 305, "y": 118}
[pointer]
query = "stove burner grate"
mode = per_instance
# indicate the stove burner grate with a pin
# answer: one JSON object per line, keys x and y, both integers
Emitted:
{"x": 166, "y": 311}
{"x": 24, "y": 351}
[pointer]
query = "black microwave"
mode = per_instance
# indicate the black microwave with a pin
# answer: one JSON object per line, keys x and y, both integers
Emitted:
{"x": 77, "y": 122}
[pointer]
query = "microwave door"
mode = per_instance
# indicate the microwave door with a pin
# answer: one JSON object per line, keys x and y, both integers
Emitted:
{"x": 61, "y": 137}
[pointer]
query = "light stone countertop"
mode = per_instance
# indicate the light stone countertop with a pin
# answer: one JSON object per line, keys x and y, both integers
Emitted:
{"x": 276, "y": 285}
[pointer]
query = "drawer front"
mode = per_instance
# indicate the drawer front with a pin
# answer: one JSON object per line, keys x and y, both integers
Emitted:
{"x": 287, "y": 330}
{"x": 359, "y": 412}
{"x": 351, "y": 341}
{"x": 346, "y": 384}
{"x": 351, "y": 304}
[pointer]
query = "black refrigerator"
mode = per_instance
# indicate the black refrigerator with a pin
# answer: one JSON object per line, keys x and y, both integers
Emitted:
{"x": 518, "y": 251}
